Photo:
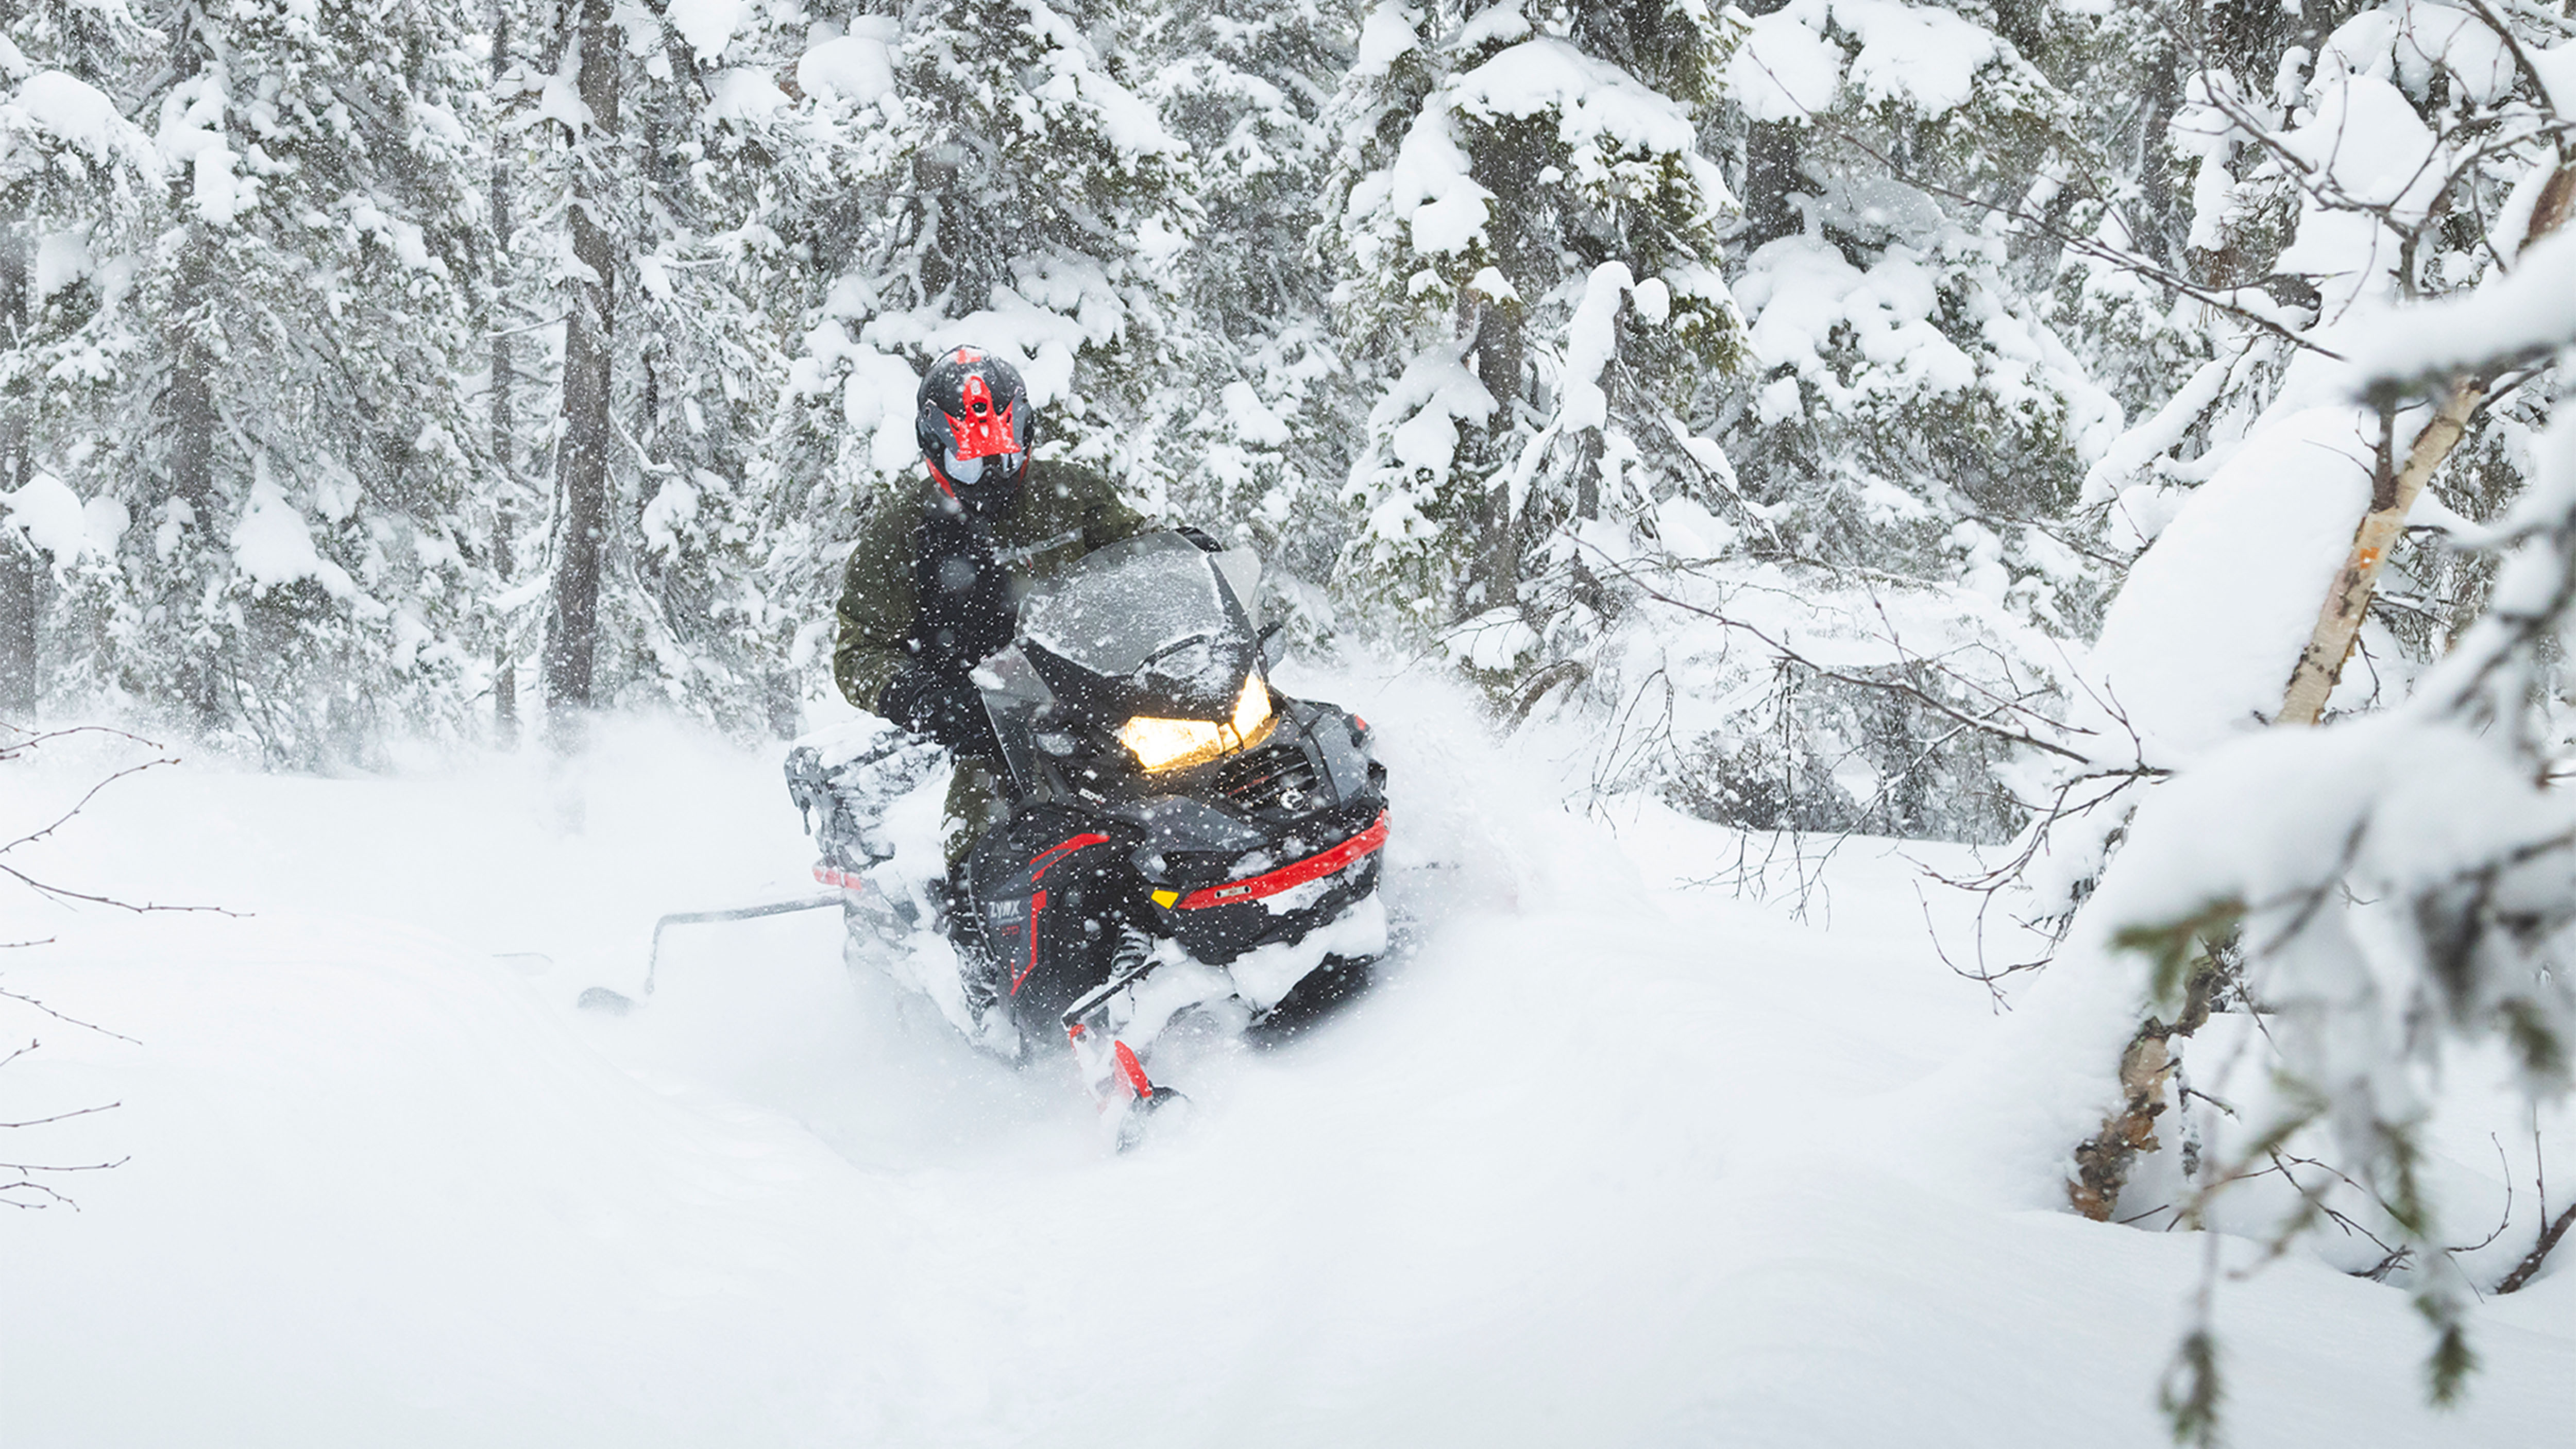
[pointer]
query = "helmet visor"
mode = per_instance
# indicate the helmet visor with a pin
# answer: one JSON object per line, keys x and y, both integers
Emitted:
{"x": 966, "y": 472}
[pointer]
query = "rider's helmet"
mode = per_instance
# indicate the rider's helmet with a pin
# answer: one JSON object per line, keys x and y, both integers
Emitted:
{"x": 975, "y": 424}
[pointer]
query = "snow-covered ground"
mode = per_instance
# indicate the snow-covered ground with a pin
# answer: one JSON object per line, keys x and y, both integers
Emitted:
{"x": 1608, "y": 1158}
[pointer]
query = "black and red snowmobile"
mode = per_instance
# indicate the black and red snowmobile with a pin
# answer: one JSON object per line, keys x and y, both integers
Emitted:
{"x": 1182, "y": 841}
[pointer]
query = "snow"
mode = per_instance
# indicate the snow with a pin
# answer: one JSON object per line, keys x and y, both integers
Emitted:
{"x": 857, "y": 69}
{"x": 2200, "y": 642}
{"x": 1597, "y": 105}
{"x": 81, "y": 115}
{"x": 1926, "y": 57}
{"x": 2556, "y": 67}
{"x": 2431, "y": 37}
{"x": 273, "y": 545}
{"x": 673, "y": 508}
{"x": 1127, "y": 121}
{"x": 1799, "y": 292}
{"x": 744, "y": 93}
{"x": 2527, "y": 310}
{"x": 1437, "y": 389}
{"x": 1385, "y": 36}
{"x": 707, "y": 25}
{"x": 1784, "y": 71}
{"x": 1590, "y": 339}
{"x": 878, "y": 403}
{"x": 1251, "y": 419}
{"x": 47, "y": 514}
{"x": 219, "y": 194}
{"x": 1607, "y": 1158}
{"x": 1429, "y": 188}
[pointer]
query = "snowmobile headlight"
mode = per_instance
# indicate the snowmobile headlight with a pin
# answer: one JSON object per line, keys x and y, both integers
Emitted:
{"x": 1171, "y": 744}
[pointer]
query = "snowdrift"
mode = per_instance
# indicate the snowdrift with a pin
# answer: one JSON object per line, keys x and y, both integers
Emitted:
{"x": 1604, "y": 1160}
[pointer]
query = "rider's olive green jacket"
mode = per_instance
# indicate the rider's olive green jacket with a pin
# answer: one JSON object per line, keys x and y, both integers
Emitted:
{"x": 1061, "y": 513}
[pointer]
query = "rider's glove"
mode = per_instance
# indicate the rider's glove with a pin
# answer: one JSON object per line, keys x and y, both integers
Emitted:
{"x": 948, "y": 708}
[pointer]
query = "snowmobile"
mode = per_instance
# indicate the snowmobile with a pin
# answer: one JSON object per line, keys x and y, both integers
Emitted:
{"x": 1182, "y": 841}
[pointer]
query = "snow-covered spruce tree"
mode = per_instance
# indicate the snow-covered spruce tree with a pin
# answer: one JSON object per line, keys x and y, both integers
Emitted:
{"x": 276, "y": 405}
{"x": 1269, "y": 412}
{"x": 1008, "y": 187}
{"x": 1913, "y": 411}
{"x": 650, "y": 233}
{"x": 1526, "y": 233}
{"x": 74, "y": 171}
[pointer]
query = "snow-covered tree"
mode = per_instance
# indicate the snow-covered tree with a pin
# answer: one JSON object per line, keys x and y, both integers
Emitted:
{"x": 74, "y": 171}
{"x": 999, "y": 179}
{"x": 1265, "y": 411}
{"x": 2373, "y": 219}
{"x": 1527, "y": 232}
{"x": 273, "y": 380}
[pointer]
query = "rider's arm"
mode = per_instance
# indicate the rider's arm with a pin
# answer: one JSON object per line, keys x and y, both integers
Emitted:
{"x": 876, "y": 608}
{"x": 1107, "y": 518}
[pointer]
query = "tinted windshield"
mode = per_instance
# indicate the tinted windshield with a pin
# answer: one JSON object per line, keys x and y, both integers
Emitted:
{"x": 1151, "y": 598}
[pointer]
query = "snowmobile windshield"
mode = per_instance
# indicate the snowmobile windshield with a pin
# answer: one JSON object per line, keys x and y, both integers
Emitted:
{"x": 1152, "y": 600}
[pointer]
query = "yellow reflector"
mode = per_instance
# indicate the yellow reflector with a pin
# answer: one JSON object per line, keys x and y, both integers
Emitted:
{"x": 1166, "y": 898}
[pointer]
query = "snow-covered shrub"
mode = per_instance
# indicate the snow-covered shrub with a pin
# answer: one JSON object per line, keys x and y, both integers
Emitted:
{"x": 2391, "y": 893}
{"x": 1782, "y": 697}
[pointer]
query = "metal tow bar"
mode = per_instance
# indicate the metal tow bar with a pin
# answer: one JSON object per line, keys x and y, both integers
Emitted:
{"x": 601, "y": 998}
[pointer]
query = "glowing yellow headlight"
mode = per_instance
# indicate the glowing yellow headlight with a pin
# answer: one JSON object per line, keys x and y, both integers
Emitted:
{"x": 1170, "y": 744}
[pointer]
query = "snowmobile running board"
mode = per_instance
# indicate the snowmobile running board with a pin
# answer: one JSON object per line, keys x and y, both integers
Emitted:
{"x": 600, "y": 998}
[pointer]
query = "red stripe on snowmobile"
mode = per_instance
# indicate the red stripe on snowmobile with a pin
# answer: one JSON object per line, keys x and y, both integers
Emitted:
{"x": 1037, "y": 903}
{"x": 1288, "y": 877}
{"x": 1047, "y": 858}
{"x": 1134, "y": 1071}
{"x": 835, "y": 876}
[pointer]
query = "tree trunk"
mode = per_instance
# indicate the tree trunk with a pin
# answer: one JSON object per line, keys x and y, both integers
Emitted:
{"x": 1494, "y": 574}
{"x": 1771, "y": 173}
{"x": 572, "y": 624}
{"x": 1507, "y": 161}
{"x": 192, "y": 437}
{"x": 2393, "y": 493}
{"x": 20, "y": 677}
{"x": 505, "y": 676}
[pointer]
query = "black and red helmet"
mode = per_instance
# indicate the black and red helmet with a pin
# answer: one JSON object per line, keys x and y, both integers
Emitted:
{"x": 975, "y": 422}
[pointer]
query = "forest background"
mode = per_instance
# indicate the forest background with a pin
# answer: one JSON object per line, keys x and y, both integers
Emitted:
{"x": 1970, "y": 421}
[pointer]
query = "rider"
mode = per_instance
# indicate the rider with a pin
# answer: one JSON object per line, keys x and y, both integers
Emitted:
{"x": 933, "y": 586}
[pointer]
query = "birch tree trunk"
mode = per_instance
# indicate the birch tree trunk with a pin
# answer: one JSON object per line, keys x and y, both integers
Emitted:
{"x": 572, "y": 624}
{"x": 2393, "y": 494}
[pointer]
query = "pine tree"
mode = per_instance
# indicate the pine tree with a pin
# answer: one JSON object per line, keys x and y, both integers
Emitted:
{"x": 75, "y": 176}
{"x": 1529, "y": 239}
{"x": 1266, "y": 410}
{"x": 996, "y": 178}
{"x": 275, "y": 384}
